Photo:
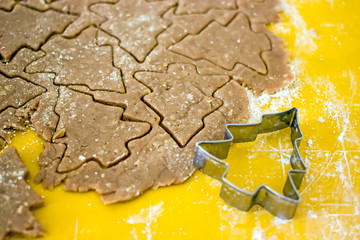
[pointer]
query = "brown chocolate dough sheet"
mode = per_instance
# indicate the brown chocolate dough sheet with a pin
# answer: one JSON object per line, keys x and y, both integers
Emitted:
{"x": 122, "y": 90}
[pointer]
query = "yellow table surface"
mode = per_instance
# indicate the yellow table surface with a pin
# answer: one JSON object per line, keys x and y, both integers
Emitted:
{"x": 323, "y": 37}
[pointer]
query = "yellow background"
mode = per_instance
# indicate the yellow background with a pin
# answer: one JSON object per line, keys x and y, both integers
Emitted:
{"x": 324, "y": 40}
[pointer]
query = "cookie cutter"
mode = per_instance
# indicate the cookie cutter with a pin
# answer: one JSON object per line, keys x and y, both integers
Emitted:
{"x": 208, "y": 157}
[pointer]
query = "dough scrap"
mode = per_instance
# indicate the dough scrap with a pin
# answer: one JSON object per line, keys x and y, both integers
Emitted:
{"x": 12, "y": 119}
{"x": 16, "y": 198}
{"x": 49, "y": 160}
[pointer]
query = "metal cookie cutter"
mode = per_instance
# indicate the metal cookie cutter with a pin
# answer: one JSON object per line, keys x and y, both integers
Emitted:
{"x": 209, "y": 154}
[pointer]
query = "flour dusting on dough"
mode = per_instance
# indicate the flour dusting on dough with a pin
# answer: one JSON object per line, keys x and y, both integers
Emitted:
{"x": 305, "y": 43}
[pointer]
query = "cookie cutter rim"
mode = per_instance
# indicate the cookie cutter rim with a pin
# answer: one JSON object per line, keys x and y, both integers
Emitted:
{"x": 208, "y": 155}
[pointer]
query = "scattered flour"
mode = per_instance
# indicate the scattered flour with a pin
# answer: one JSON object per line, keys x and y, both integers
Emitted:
{"x": 279, "y": 221}
{"x": 311, "y": 214}
{"x": 310, "y": 143}
{"x": 258, "y": 234}
{"x": 146, "y": 216}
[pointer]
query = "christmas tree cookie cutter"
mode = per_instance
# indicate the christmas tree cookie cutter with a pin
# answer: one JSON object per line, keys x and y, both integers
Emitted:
{"x": 209, "y": 154}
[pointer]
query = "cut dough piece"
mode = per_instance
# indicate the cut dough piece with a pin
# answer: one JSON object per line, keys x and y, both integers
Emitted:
{"x": 14, "y": 92}
{"x": 45, "y": 119}
{"x": 16, "y": 198}
{"x": 279, "y": 73}
{"x": 92, "y": 131}
{"x": 26, "y": 27}
{"x": 135, "y": 23}
{"x": 18, "y": 63}
{"x": 80, "y": 61}
{"x": 7, "y": 4}
{"x": 235, "y": 102}
{"x": 182, "y": 97}
{"x": 183, "y": 25}
{"x": 75, "y": 7}
{"x": 227, "y": 46}
{"x": 263, "y": 11}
